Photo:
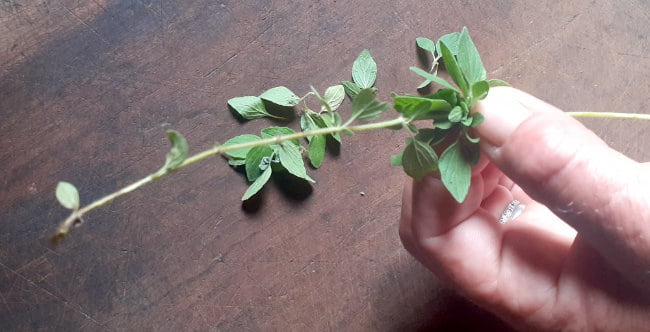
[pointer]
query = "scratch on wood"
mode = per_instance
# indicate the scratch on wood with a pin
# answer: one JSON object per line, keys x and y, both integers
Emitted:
{"x": 86, "y": 25}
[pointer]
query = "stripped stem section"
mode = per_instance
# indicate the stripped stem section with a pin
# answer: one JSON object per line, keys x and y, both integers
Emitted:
{"x": 75, "y": 217}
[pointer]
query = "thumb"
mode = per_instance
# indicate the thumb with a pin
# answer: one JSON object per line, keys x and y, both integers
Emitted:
{"x": 565, "y": 166}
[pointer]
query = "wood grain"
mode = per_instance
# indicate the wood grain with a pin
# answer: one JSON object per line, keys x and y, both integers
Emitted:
{"x": 88, "y": 88}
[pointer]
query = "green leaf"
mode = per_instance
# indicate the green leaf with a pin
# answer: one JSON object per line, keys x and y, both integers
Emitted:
{"x": 449, "y": 95}
{"x": 291, "y": 159}
{"x": 178, "y": 153}
{"x": 418, "y": 159}
{"x": 469, "y": 60}
{"x": 426, "y": 44}
{"x": 496, "y": 82}
{"x": 455, "y": 172}
{"x": 366, "y": 107}
{"x": 477, "y": 119}
{"x": 443, "y": 124}
{"x": 480, "y": 90}
{"x": 432, "y": 78}
{"x": 67, "y": 195}
{"x": 249, "y": 107}
{"x": 241, "y": 139}
{"x": 470, "y": 138}
{"x": 333, "y": 98}
{"x": 254, "y": 160}
{"x": 271, "y": 132}
{"x": 466, "y": 121}
{"x": 280, "y": 96}
{"x": 364, "y": 70}
{"x": 258, "y": 184}
{"x": 426, "y": 135}
{"x": 332, "y": 120}
{"x": 316, "y": 150}
{"x": 236, "y": 162}
{"x": 451, "y": 40}
{"x": 456, "y": 114}
{"x": 351, "y": 89}
{"x": 453, "y": 69}
{"x": 419, "y": 108}
{"x": 396, "y": 160}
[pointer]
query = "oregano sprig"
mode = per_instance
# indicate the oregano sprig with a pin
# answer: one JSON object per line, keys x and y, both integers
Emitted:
{"x": 282, "y": 149}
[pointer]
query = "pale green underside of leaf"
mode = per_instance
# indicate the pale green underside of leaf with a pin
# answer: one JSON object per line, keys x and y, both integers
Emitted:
{"x": 351, "y": 89}
{"x": 497, "y": 82}
{"x": 364, "y": 70}
{"x": 455, "y": 172}
{"x": 249, "y": 107}
{"x": 258, "y": 184}
{"x": 67, "y": 195}
{"x": 281, "y": 96}
{"x": 333, "y": 97}
{"x": 418, "y": 159}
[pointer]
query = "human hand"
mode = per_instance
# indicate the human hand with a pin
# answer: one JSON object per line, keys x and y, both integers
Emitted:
{"x": 535, "y": 272}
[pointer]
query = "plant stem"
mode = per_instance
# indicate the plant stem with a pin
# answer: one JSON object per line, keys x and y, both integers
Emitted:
{"x": 76, "y": 215}
{"x": 614, "y": 115}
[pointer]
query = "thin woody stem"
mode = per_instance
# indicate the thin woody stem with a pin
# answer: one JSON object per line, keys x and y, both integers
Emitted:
{"x": 75, "y": 216}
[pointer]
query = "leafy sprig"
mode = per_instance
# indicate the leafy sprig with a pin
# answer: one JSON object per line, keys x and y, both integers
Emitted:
{"x": 447, "y": 113}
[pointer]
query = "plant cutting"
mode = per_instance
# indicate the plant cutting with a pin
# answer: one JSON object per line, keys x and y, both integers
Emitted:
{"x": 443, "y": 118}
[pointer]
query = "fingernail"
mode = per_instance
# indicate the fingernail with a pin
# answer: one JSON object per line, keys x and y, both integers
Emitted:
{"x": 503, "y": 114}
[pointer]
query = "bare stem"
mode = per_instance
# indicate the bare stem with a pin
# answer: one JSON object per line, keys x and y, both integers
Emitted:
{"x": 76, "y": 216}
{"x": 614, "y": 115}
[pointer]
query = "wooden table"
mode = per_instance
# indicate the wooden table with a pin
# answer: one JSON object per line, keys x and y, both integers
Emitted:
{"x": 89, "y": 87}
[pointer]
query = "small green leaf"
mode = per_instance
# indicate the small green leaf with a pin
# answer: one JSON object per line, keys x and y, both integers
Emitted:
{"x": 426, "y": 135}
{"x": 316, "y": 150}
{"x": 467, "y": 121}
{"x": 419, "y": 108}
{"x": 178, "y": 153}
{"x": 351, "y": 89}
{"x": 333, "y": 120}
{"x": 249, "y": 107}
{"x": 333, "y": 98}
{"x": 455, "y": 172}
{"x": 254, "y": 159}
{"x": 432, "y": 78}
{"x": 271, "y": 132}
{"x": 67, "y": 195}
{"x": 426, "y": 44}
{"x": 364, "y": 70}
{"x": 443, "y": 124}
{"x": 451, "y": 65}
{"x": 281, "y": 96}
{"x": 291, "y": 159}
{"x": 418, "y": 159}
{"x": 396, "y": 160}
{"x": 366, "y": 107}
{"x": 469, "y": 60}
{"x": 258, "y": 184}
{"x": 451, "y": 40}
{"x": 241, "y": 139}
{"x": 477, "y": 119}
{"x": 449, "y": 95}
{"x": 456, "y": 114}
{"x": 496, "y": 82}
{"x": 470, "y": 138}
{"x": 236, "y": 162}
{"x": 480, "y": 90}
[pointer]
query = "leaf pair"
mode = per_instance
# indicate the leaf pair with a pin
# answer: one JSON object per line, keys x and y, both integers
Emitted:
{"x": 260, "y": 161}
{"x": 252, "y": 107}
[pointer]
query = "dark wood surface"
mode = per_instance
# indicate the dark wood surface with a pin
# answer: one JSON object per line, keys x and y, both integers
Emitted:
{"x": 89, "y": 87}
